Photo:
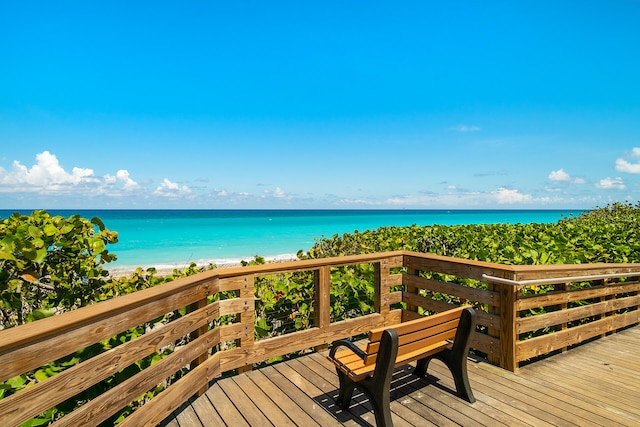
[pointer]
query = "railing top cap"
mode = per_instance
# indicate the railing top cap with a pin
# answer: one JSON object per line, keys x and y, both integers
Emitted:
{"x": 554, "y": 280}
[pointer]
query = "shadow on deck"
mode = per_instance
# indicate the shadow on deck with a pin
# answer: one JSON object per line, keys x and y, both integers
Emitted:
{"x": 594, "y": 384}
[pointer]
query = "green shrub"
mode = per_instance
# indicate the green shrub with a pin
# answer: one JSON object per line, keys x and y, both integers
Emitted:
{"x": 50, "y": 264}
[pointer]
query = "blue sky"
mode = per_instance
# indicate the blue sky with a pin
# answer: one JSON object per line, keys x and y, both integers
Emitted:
{"x": 366, "y": 105}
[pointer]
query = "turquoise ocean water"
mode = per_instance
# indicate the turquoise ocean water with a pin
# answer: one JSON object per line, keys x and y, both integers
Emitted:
{"x": 174, "y": 238}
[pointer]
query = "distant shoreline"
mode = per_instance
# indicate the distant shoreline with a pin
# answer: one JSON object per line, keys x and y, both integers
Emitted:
{"x": 165, "y": 270}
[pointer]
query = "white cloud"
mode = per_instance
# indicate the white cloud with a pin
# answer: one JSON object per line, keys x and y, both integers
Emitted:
{"x": 611, "y": 184}
{"x": 129, "y": 184}
{"x": 171, "y": 189}
{"x": 459, "y": 199}
{"x": 559, "y": 175}
{"x": 277, "y": 193}
{"x": 46, "y": 176}
{"x": 466, "y": 128}
{"x": 507, "y": 196}
{"x": 623, "y": 165}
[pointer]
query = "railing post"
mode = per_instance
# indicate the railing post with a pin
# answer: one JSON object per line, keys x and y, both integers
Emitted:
{"x": 248, "y": 319}
{"x": 603, "y": 299}
{"x": 494, "y": 332}
{"x": 410, "y": 290}
{"x": 194, "y": 335}
{"x": 564, "y": 287}
{"x": 508, "y": 317}
{"x": 381, "y": 287}
{"x": 322, "y": 300}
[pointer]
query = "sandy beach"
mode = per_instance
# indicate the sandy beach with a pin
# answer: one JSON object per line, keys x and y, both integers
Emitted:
{"x": 116, "y": 273}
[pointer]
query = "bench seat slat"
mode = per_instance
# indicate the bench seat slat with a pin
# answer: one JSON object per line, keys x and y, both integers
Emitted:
{"x": 419, "y": 335}
{"x": 415, "y": 350}
{"x": 357, "y": 370}
{"x": 418, "y": 324}
{"x": 425, "y": 351}
{"x": 347, "y": 356}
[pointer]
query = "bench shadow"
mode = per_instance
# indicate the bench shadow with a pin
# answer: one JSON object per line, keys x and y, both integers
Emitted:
{"x": 403, "y": 383}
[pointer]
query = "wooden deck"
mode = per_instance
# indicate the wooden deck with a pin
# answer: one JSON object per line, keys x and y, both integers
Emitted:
{"x": 594, "y": 384}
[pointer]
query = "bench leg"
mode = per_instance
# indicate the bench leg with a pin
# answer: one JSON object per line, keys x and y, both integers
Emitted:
{"x": 346, "y": 390}
{"x": 456, "y": 357}
{"x": 458, "y": 367}
{"x": 378, "y": 386}
{"x": 421, "y": 367}
{"x": 381, "y": 402}
{"x": 378, "y": 395}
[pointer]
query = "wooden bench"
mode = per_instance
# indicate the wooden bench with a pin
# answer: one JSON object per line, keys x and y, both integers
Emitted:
{"x": 444, "y": 336}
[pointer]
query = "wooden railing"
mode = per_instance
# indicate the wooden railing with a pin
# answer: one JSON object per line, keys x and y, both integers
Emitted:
{"x": 526, "y": 311}
{"x": 216, "y": 317}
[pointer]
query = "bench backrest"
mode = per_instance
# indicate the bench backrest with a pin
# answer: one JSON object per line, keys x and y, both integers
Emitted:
{"x": 417, "y": 336}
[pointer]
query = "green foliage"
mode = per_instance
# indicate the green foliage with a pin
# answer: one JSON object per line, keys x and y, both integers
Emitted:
{"x": 283, "y": 303}
{"x": 610, "y": 234}
{"x": 50, "y": 264}
{"x": 351, "y": 292}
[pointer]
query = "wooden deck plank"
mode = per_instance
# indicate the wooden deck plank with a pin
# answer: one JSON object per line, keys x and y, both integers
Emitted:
{"x": 315, "y": 393}
{"x": 594, "y": 401}
{"x": 615, "y": 389}
{"x": 591, "y": 385}
{"x": 206, "y": 413}
{"x": 595, "y": 395}
{"x": 314, "y": 409}
{"x": 492, "y": 399}
{"x": 531, "y": 400}
{"x": 224, "y": 406}
{"x": 564, "y": 378}
{"x": 188, "y": 417}
{"x": 360, "y": 410}
{"x": 249, "y": 411}
{"x": 495, "y": 387}
{"x": 278, "y": 398}
{"x": 261, "y": 400}
{"x": 309, "y": 406}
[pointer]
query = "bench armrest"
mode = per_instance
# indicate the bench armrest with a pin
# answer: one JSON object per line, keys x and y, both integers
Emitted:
{"x": 351, "y": 346}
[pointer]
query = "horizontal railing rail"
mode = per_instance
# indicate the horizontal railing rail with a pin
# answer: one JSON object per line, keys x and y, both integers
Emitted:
{"x": 159, "y": 346}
